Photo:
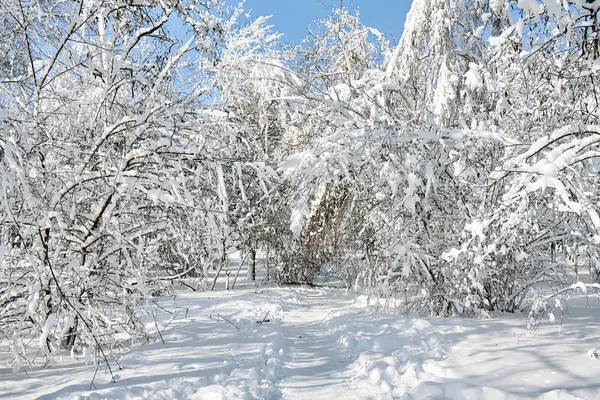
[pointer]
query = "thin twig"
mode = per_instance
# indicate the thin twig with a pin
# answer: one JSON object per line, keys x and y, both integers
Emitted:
{"x": 213, "y": 311}
{"x": 236, "y": 327}
{"x": 264, "y": 319}
{"x": 188, "y": 286}
{"x": 171, "y": 319}
{"x": 94, "y": 377}
{"x": 157, "y": 328}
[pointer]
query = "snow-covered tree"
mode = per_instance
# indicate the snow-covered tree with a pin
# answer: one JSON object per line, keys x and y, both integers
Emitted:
{"x": 112, "y": 165}
{"x": 542, "y": 198}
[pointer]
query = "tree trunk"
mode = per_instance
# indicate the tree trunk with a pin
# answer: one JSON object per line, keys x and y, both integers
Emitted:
{"x": 70, "y": 336}
{"x": 267, "y": 262}
{"x": 252, "y": 266}
{"x": 222, "y": 263}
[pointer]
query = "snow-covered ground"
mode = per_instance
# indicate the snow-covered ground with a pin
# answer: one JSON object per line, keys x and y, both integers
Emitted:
{"x": 315, "y": 343}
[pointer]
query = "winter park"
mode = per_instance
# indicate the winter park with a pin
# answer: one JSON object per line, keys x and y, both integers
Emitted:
{"x": 300, "y": 199}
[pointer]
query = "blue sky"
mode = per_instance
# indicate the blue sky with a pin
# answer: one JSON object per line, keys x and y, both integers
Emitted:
{"x": 292, "y": 17}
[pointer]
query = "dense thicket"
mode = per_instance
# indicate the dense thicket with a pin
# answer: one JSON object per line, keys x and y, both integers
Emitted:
{"x": 144, "y": 142}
